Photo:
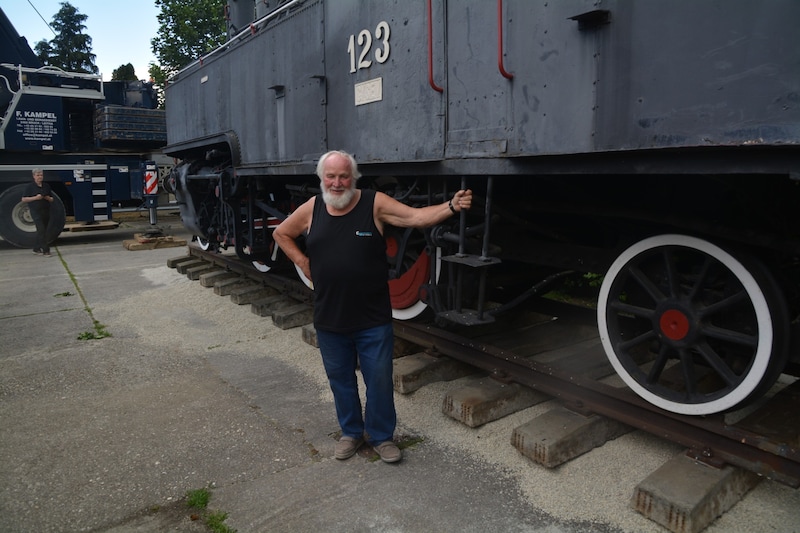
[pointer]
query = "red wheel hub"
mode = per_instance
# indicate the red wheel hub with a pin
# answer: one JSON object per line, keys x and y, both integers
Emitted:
{"x": 404, "y": 291}
{"x": 674, "y": 324}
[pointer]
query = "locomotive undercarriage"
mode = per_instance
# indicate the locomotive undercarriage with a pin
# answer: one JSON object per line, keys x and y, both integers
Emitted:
{"x": 692, "y": 315}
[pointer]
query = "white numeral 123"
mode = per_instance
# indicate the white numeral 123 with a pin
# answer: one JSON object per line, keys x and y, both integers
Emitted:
{"x": 365, "y": 46}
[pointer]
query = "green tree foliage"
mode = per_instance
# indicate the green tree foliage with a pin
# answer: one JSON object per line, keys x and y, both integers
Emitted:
{"x": 43, "y": 51}
{"x": 70, "y": 49}
{"x": 124, "y": 73}
{"x": 187, "y": 30}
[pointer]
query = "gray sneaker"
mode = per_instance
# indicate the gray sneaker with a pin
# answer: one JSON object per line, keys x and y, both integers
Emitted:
{"x": 389, "y": 452}
{"x": 347, "y": 447}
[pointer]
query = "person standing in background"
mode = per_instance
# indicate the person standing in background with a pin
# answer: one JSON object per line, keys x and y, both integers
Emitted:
{"x": 39, "y": 196}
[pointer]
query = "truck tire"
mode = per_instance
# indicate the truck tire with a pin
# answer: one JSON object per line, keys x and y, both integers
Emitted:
{"x": 16, "y": 224}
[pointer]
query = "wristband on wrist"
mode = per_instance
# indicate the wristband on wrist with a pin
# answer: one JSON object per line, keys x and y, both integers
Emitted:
{"x": 450, "y": 205}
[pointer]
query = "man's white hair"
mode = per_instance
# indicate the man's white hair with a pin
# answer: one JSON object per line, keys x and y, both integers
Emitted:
{"x": 353, "y": 165}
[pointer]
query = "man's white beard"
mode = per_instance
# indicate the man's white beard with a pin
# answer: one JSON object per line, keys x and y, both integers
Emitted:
{"x": 338, "y": 201}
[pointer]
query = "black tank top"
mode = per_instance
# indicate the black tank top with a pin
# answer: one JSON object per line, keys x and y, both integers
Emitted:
{"x": 349, "y": 268}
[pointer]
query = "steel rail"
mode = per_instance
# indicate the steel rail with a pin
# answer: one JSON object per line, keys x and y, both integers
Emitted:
{"x": 711, "y": 440}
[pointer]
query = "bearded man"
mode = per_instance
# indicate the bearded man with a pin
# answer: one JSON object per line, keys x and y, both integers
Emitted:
{"x": 346, "y": 259}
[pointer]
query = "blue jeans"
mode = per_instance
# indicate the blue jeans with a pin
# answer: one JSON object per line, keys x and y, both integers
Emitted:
{"x": 373, "y": 348}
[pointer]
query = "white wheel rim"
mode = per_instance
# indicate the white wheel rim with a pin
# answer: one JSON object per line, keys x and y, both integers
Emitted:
{"x": 765, "y": 332}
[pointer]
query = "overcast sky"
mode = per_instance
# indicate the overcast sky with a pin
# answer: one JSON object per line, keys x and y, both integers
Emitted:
{"x": 120, "y": 31}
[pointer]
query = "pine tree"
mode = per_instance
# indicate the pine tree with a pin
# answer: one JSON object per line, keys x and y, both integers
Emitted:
{"x": 43, "y": 51}
{"x": 70, "y": 49}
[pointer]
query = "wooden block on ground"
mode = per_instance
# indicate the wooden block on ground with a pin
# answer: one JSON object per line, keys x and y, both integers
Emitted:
{"x": 267, "y": 306}
{"x": 224, "y": 287}
{"x": 175, "y": 261}
{"x": 310, "y": 335}
{"x": 210, "y": 278}
{"x": 94, "y": 226}
{"x": 685, "y": 496}
{"x": 183, "y": 267}
{"x": 487, "y": 400}
{"x": 416, "y": 370}
{"x": 560, "y": 435}
{"x": 291, "y": 317}
{"x": 194, "y": 273}
{"x": 248, "y": 294}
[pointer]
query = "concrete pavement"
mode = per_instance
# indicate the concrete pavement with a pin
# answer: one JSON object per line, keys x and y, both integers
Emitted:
{"x": 109, "y": 434}
{"x": 192, "y": 391}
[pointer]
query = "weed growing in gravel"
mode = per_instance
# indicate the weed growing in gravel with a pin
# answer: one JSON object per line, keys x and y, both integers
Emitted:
{"x": 198, "y": 499}
{"x": 215, "y": 522}
{"x": 100, "y": 332}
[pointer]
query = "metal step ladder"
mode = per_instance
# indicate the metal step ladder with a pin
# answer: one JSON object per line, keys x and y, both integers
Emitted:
{"x": 462, "y": 261}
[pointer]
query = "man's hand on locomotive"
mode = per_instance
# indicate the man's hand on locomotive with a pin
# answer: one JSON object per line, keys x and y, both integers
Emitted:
{"x": 461, "y": 201}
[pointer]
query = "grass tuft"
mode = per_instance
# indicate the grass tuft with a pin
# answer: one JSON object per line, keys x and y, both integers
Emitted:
{"x": 100, "y": 332}
{"x": 198, "y": 499}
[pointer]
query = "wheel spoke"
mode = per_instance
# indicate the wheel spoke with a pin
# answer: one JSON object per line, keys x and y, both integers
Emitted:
{"x": 687, "y": 366}
{"x": 645, "y": 282}
{"x": 717, "y": 363}
{"x": 635, "y": 310}
{"x": 735, "y": 337}
{"x": 672, "y": 278}
{"x": 647, "y": 336}
{"x": 723, "y": 304}
{"x": 701, "y": 279}
{"x": 659, "y": 364}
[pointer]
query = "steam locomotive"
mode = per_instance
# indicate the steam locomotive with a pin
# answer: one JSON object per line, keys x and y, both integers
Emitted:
{"x": 654, "y": 145}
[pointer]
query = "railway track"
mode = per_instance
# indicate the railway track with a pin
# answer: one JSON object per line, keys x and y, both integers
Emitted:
{"x": 553, "y": 349}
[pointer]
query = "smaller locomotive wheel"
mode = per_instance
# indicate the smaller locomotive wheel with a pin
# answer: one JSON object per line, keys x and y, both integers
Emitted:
{"x": 412, "y": 262}
{"x": 404, "y": 290}
{"x": 265, "y": 264}
{"x": 204, "y": 244}
{"x": 691, "y": 328}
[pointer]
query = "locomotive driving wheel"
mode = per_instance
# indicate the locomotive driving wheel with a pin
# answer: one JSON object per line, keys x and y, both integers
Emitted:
{"x": 411, "y": 272}
{"x": 690, "y": 327}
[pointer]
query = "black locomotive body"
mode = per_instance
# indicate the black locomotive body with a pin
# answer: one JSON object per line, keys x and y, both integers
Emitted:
{"x": 653, "y": 144}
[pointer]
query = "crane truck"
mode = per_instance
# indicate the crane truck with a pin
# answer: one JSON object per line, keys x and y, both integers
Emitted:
{"x": 97, "y": 142}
